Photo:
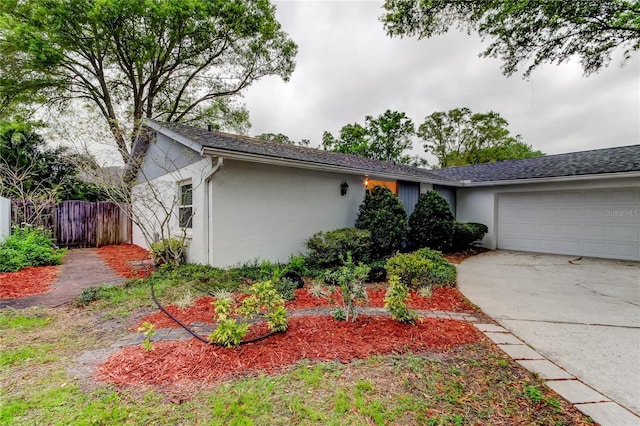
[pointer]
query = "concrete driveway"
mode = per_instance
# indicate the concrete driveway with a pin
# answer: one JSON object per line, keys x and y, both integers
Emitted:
{"x": 583, "y": 315}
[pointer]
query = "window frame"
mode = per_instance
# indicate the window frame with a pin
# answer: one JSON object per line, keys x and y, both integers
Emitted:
{"x": 185, "y": 204}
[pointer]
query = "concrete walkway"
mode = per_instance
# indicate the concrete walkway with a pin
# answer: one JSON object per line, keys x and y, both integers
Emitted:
{"x": 81, "y": 268}
{"x": 575, "y": 322}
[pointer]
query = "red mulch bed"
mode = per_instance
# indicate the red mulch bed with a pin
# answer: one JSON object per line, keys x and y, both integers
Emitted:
{"x": 314, "y": 338}
{"x": 442, "y": 299}
{"x": 27, "y": 281}
{"x": 119, "y": 258}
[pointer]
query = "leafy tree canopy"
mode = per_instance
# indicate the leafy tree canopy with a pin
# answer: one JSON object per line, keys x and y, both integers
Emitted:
{"x": 386, "y": 138}
{"x": 170, "y": 60}
{"x": 527, "y": 33}
{"x": 459, "y": 137}
{"x": 279, "y": 137}
{"x": 31, "y": 170}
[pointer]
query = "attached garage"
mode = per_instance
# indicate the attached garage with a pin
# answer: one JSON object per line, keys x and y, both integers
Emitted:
{"x": 581, "y": 203}
{"x": 597, "y": 223}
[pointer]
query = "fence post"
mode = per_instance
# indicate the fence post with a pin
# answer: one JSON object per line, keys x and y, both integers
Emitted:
{"x": 5, "y": 217}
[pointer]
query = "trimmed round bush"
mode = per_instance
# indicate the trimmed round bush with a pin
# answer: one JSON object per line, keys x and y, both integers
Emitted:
{"x": 384, "y": 217}
{"x": 329, "y": 249}
{"x": 465, "y": 234}
{"x": 431, "y": 223}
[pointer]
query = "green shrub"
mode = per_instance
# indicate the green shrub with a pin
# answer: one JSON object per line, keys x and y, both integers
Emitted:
{"x": 329, "y": 249}
{"x": 465, "y": 234}
{"x": 28, "y": 246}
{"x": 441, "y": 274}
{"x": 410, "y": 268}
{"x": 350, "y": 279}
{"x": 395, "y": 301}
{"x": 431, "y": 223}
{"x": 169, "y": 250}
{"x": 424, "y": 267}
{"x": 382, "y": 214}
{"x": 285, "y": 288}
{"x": 433, "y": 255}
{"x": 233, "y": 323}
{"x": 299, "y": 264}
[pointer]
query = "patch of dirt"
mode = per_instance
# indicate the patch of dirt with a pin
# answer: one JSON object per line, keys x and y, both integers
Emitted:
{"x": 27, "y": 281}
{"x": 127, "y": 260}
{"x": 313, "y": 338}
{"x": 460, "y": 256}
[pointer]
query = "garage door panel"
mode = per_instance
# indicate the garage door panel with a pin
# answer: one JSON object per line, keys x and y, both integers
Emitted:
{"x": 548, "y": 229}
{"x": 625, "y": 251}
{"x": 548, "y": 245}
{"x": 602, "y": 223}
{"x": 594, "y": 249}
{"x": 625, "y": 232}
{"x": 569, "y": 214}
{"x": 570, "y": 231}
{"x": 599, "y": 232}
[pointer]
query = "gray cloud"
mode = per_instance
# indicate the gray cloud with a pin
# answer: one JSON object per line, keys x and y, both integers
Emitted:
{"x": 348, "y": 68}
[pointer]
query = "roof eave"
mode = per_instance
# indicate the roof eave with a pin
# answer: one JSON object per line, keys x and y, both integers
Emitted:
{"x": 189, "y": 143}
{"x": 617, "y": 175}
{"x": 279, "y": 161}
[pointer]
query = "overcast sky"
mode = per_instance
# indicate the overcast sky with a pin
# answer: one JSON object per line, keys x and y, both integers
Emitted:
{"x": 348, "y": 68}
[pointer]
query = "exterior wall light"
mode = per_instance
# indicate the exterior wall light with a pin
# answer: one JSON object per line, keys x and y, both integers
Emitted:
{"x": 344, "y": 186}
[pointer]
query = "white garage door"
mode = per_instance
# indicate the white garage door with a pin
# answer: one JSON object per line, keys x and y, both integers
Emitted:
{"x": 598, "y": 223}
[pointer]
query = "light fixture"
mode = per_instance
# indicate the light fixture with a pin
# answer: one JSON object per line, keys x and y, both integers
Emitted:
{"x": 366, "y": 182}
{"x": 344, "y": 186}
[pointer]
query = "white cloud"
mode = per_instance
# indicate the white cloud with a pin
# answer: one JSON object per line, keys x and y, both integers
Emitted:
{"x": 348, "y": 68}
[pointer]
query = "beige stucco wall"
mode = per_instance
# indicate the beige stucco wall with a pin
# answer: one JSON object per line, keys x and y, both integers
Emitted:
{"x": 267, "y": 212}
{"x": 479, "y": 204}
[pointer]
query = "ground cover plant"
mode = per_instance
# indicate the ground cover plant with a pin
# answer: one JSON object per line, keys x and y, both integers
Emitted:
{"x": 321, "y": 371}
{"x": 28, "y": 246}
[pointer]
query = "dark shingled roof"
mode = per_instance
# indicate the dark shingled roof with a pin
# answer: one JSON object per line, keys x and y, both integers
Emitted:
{"x": 248, "y": 145}
{"x": 594, "y": 162}
{"x": 597, "y": 161}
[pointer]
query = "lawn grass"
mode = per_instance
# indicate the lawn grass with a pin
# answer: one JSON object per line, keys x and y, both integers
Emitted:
{"x": 475, "y": 384}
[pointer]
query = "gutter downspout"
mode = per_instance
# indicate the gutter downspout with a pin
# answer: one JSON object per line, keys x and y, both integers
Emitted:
{"x": 207, "y": 219}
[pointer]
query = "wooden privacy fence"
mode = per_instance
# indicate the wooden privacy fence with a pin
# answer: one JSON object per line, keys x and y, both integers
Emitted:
{"x": 77, "y": 223}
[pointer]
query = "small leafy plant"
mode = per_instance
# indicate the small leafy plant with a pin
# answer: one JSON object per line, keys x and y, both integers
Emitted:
{"x": 170, "y": 251}
{"x": 396, "y": 301}
{"x": 149, "y": 330}
{"x": 352, "y": 293}
{"x": 233, "y": 319}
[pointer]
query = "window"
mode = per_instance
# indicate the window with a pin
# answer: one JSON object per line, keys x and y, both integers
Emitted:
{"x": 185, "y": 208}
{"x": 392, "y": 185}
